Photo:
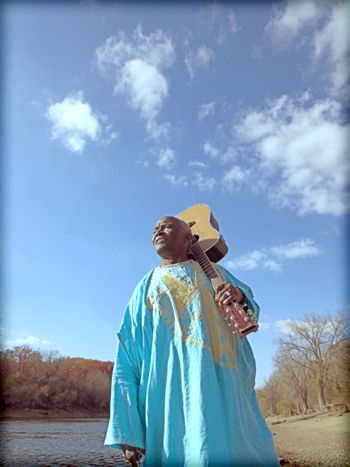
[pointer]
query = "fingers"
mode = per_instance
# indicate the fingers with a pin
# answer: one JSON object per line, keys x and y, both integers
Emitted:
{"x": 221, "y": 286}
{"x": 132, "y": 457}
{"x": 226, "y": 293}
{"x": 223, "y": 292}
{"x": 132, "y": 460}
{"x": 132, "y": 454}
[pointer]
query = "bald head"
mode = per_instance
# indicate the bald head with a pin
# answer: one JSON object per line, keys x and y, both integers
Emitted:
{"x": 172, "y": 239}
{"x": 181, "y": 224}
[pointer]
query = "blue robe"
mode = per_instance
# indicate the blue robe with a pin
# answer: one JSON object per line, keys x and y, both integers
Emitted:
{"x": 182, "y": 384}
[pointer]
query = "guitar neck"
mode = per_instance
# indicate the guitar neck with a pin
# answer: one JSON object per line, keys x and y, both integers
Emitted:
{"x": 234, "y": 314}
{"x": 205, "y": 264}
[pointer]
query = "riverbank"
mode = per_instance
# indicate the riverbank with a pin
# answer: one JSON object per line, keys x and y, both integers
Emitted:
{"x": 318, "y": 439}
{"x": 58, "y": 414}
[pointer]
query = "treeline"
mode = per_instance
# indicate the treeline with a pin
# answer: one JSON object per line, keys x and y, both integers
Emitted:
{"x": 312, "y": 368}
{"x": 33, "y": 379}
{"x": 312, "y": 372}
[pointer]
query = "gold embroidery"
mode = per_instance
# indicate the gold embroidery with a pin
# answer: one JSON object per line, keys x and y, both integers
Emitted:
{"x": 218, "y": 333}
{"x": 190, "y": 310}
{"x": 181, "y": 293}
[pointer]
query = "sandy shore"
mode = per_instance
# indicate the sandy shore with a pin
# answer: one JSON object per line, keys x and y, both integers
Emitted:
{"x": 318, "y": 440}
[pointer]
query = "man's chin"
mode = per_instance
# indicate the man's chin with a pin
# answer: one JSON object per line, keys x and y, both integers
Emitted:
{"x": 161, "y": 249}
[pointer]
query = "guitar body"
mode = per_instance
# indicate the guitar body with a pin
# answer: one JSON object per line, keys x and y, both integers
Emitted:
{"x": 206, "y": 229}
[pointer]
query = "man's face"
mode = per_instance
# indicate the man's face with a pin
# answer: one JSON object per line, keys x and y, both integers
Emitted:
{"x": 171, "y": 238}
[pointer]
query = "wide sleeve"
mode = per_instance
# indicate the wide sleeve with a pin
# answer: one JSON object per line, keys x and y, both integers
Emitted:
{"x": 126, "y": 425}
{"x": 244, "y": 288}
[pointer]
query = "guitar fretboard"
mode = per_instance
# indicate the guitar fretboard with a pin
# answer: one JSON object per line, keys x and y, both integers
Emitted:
{"x": 205, "y": 263}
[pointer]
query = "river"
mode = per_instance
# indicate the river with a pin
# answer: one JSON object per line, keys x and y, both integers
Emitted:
{"x": 56, "y": 443}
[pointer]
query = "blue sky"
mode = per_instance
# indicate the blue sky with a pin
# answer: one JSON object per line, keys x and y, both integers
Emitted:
{"x": 117, "y": 114}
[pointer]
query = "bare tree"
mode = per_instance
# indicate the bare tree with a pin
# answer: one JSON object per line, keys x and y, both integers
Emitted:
{"x": 296, "y": 375}
{"x": 270, "y": 394}
{"x": 313, "y": 343}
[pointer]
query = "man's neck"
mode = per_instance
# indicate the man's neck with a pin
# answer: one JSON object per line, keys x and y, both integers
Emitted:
{"x": 169, "y": 261}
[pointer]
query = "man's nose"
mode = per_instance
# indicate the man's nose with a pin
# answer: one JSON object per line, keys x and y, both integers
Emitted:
{"x": 159, "y": 229}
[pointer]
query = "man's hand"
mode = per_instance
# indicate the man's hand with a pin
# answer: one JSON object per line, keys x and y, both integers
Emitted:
{"x": 226, "y": 294}
{"x": 133, "y": 454}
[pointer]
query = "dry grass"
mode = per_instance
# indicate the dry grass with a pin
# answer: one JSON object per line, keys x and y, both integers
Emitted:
{"x": 319, "y": 439}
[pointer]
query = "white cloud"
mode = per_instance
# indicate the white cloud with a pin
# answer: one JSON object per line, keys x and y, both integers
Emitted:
{"x": 332, "y": 42}
{"x": 229, "y": 154}
{"x": 329, "y": 33}
{"x": 235, "y": 177}
{"x": 300, "y": 153}
{"x": 211, "y": 150}
{"x": 263, "y": 325}
{"x": 247, "y": 262}
{"x": 108, "y": 134}
{"x": 289, "y": 18}
{"x": 300, "y": 249}
{"x": 201, "y": 58}
{"x": 272, "y": 265}
{"x": 139, "y": 63}
{"x": 166, "y": 158}
{"x": 205, "y": 110}
{"x": 224, "y": 156}
{"x": 157, "y": 131}
{"x": 30, "y": 340}
{"x": 272, "y": 258}
{"x": 144, "y": 86}
{"x": 199, "y": 164}
{"x": 215, "y": 19}
{"x": 283, "y": 326}
{"x": 203, "y": 183}
{"x": 156, "y": 49}
{"x": 174, "y": 180}
{"x": 74, "y": 123}
{"x": 234, "y": 27}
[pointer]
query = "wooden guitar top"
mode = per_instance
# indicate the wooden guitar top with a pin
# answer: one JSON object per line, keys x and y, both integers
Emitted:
{"x": 206, "y": 228}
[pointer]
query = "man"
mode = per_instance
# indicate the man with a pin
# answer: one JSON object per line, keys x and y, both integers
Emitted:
{"x": 183, "y": 384}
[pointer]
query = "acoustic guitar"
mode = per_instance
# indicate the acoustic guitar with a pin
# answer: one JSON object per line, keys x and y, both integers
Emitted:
{"x": 206, "y": 229}
{"x": 206, "y": 239}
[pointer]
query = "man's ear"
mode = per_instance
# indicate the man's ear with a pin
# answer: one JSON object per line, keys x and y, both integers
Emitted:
{"x": 189, "y": 239}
